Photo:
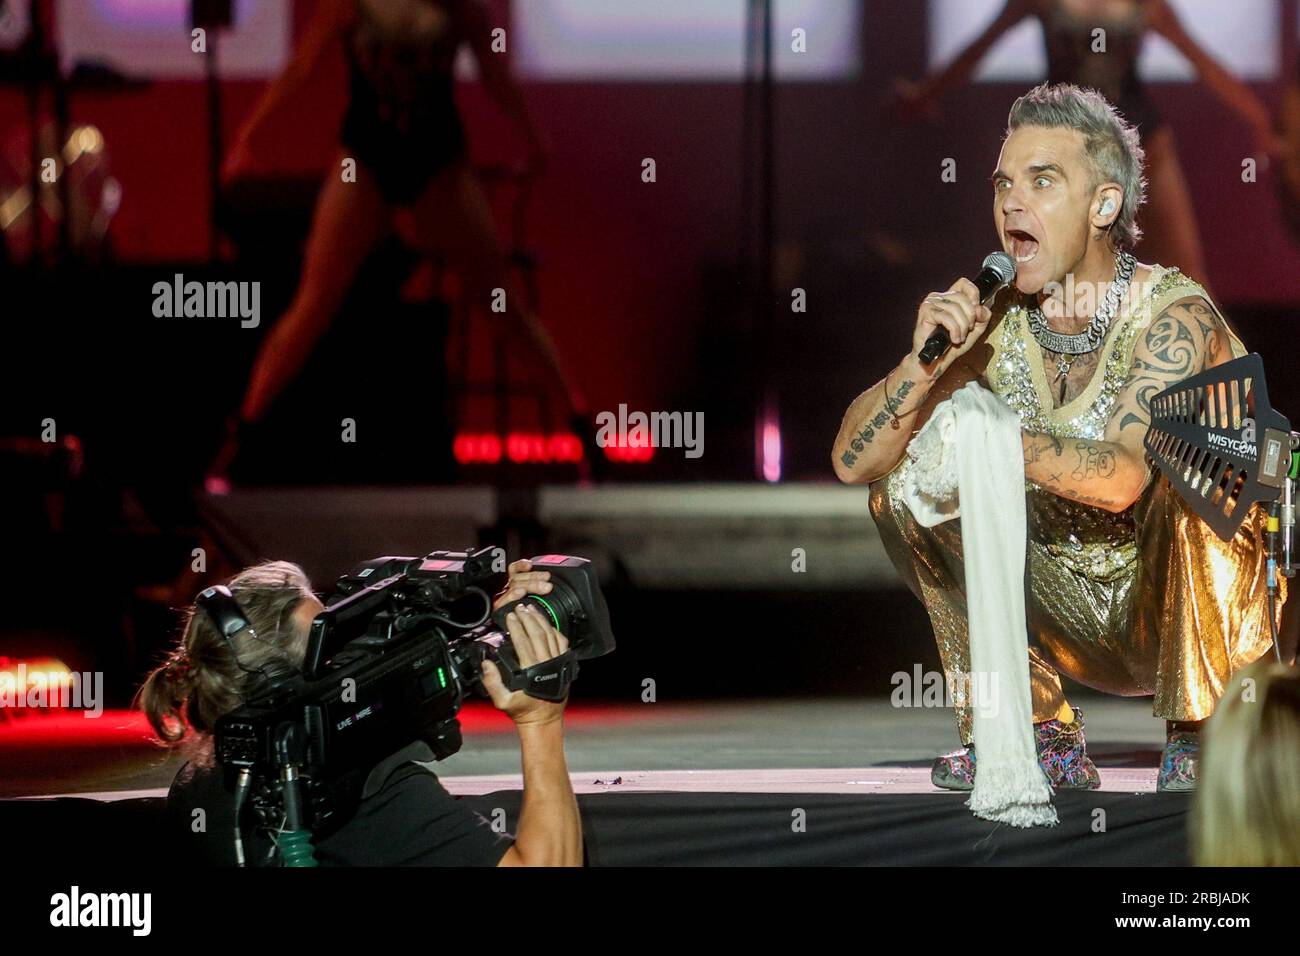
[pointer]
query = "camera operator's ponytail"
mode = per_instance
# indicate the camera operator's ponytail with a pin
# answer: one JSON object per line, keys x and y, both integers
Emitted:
{"x": 200, "y": 681}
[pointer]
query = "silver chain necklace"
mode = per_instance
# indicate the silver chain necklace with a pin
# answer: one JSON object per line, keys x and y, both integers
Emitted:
{"x": 1089, "y": 339}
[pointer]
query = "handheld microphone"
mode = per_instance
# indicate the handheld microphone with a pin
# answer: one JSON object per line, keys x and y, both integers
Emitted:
{"x": 999, "y": 269}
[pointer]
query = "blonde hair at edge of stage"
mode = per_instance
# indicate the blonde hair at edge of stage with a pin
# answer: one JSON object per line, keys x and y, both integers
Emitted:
{"x": 1247, "y": 810}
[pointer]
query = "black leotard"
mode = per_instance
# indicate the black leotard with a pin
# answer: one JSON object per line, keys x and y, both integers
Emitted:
{"x": 1114, "y": 74}
{"x": 402, "y": 123}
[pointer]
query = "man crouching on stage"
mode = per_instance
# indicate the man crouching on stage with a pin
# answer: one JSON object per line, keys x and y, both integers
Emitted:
{"x": 1128, "y": 592}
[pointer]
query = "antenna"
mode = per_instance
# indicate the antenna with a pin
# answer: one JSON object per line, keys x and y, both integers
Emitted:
{"x": 1220, "y": 443}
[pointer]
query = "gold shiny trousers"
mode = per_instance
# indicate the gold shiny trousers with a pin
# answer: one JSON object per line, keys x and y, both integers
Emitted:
{"x": 1146, "y": 602}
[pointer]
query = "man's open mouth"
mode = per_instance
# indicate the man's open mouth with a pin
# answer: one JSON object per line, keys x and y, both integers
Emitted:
{"x": 1023, "y": 245}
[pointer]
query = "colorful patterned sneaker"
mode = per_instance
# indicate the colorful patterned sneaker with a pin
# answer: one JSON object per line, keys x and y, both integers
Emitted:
{"x": 1178, "y": 764}
{"x": 955, "y": 771}
{"x": 1062, "y": 754}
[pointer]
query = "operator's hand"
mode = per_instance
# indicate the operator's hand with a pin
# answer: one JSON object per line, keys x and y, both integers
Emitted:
{"x": 523, "y": 580}
{"x": 535, "y": 641}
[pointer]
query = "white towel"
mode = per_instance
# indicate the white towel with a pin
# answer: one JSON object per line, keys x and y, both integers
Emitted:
{"x": 969, "y": 457}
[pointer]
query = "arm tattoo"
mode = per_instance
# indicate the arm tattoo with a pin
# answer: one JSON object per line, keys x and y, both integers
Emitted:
{"x": 1090, "y": 499}
{"x": 1041, "y": 446}
{"x": 1093, "y": 461}
{"x": 1183, "y": 340}
{"x": 1172, "y": 348}
{"x": 1144, "y": 391}
{"x": 895, "y": 402}
{"x": 1180, "y": 335}
{"x": 1074, "y": 495}
{"x": 1213, "y": 349}
{"x": 863, "y": 438}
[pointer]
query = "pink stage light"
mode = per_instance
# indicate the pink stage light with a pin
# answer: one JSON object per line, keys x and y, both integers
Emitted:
{"x": 771, "y": 450}
{"x": 623, "y": 451}
{"x": 475, "y": 449}
{"x": 538, "y": 448}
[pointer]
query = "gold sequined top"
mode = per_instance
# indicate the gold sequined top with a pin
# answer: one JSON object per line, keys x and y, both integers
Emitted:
{"x": 1094, "y": 542}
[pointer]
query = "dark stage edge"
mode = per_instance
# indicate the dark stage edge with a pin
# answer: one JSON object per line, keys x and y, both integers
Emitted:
{"x": 700, "y": 784}
{"x": 730, "y": 829}
{"x": 721, "y": 829}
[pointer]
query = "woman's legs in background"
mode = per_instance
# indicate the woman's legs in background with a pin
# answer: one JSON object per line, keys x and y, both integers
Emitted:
{"x": 453, "y": 217}
{"x": 1168, "y": 220}
{"x": 350, "y": 219}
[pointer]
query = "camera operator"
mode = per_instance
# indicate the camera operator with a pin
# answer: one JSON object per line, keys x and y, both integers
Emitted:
{"x": 405, "y": 816}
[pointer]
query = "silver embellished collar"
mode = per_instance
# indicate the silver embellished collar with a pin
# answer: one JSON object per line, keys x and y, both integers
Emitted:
{"x": 1089, "y": 339}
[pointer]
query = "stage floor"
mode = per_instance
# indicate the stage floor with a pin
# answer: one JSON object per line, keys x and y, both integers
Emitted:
{"x": 735, "y": 783}
{"x": 842, "y": 745}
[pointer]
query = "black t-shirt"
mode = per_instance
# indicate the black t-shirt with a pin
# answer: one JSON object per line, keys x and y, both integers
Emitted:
{"x": 405, "y": 818}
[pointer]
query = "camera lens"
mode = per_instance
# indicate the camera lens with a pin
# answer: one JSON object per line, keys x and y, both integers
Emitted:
{"x": 561, "y": 606}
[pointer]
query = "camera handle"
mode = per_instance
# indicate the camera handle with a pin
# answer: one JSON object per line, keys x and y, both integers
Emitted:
{"x": 548, "y": 680}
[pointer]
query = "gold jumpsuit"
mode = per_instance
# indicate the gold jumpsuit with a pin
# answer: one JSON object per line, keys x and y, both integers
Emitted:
{"x": 1147, "y": 601}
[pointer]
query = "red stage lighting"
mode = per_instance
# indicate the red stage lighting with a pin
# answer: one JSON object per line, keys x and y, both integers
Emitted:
{"x": 538, "y": 448}
{"x": 46, "y": 679}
